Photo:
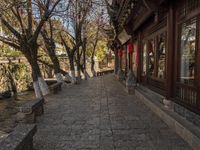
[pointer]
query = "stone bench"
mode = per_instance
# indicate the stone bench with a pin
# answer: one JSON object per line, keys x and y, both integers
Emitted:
{"x": 56, "y": 87}
{"x": 20, "y": 139}
{"x": 101, "y": 73}
{"x": 32, "y": 109}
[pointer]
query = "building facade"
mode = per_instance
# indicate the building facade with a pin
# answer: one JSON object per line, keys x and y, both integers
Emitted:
{"x": 159, "y": 41}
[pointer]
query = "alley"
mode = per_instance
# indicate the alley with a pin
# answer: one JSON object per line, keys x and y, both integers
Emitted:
{"x": 99, "y": 115}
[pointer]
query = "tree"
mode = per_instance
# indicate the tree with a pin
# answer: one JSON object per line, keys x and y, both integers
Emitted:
{"x": 66, "y": 41}
{"x": 22, "y": 24}
{"x": 72, "y": 35}
{"x": 93, "y": 50}
{"x": 95, "y": 33}
{"x": 50, "y": 46}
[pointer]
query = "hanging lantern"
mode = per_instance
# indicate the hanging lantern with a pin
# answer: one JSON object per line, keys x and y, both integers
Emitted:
{"x": 130, "y": 48}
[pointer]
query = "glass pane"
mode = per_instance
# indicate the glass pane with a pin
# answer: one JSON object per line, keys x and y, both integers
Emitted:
{"x": 187, "y": 52}
{"x": 144, "y": 72}
{"x": 151, "y": 57}
{"x": 161, "y": 56}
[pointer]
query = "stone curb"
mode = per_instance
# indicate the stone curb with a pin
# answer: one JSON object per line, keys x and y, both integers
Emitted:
{"x": 20, "y": 139}
{"x": 187, "y": 131}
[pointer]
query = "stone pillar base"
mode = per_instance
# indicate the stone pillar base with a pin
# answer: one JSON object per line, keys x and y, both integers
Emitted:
{"x": 168, "y": 104}
{"x": 130, "y": 89}
{"x": 130, "y": 83}
{"x": 115, "y": 71}
{"x": 78, "y": 80}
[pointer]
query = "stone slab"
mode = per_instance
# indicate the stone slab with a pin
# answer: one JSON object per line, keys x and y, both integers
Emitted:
{"x": 99, "y": 115}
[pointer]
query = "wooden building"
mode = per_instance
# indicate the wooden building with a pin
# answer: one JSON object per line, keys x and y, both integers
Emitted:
{"x": 160, "y": 41}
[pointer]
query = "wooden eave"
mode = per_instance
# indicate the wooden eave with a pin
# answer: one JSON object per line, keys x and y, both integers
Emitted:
{"x": 132, "y": 23}
{"x": 123, "y": 7}
{"x": 151, "y": 6}
{"x": 122, "y": 14}
{"x": 141, "y": 20}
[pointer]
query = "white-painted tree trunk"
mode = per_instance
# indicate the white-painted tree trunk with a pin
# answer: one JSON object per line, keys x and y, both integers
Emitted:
{"x": 78, "y": 74}
{"x": 67, "y": 77}
{"x": 73, "y": 77}
{"x": 43, "y": 86}
{"x": 37, "y": 90}
{"x": 85, "y": 74}
{"x": 59, "y": 77}
{"x": 93, "y": 73}
{"x": 78, "y": 79}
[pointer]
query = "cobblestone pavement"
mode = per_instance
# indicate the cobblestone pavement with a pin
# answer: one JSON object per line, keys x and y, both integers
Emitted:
{"x": 99, "y": 115}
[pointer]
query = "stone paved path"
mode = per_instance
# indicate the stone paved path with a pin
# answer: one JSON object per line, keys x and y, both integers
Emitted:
{"x": 99, "y": 115}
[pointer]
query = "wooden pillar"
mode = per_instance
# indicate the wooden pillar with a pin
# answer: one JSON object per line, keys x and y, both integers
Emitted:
{"x": 120, "y": 59}
{"x": 198, "y": 65}
{"x": 139, "y": 55}
{"x": 170, "y": 53}
{"x": 116, "y": 61}
{"x": 130, "y": 61}
{"x": 155, "y": 74}
{"x": 124, "y": 56}
{"x": 130, "y": 55}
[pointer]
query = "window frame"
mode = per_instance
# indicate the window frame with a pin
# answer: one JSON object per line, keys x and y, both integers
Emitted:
{"x": 178, "y": 66}
{"x": 155, "y": 36}
{"x": 142, "y": 64}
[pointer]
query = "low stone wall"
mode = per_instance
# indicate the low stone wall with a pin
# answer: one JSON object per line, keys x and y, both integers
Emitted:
{"x": 101, "y": 73}
{"x": 187, "y": 114}
{"x": 31, "y": 110}
{"x": 20, "y": 139}
{"x": 56, "y": 87}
